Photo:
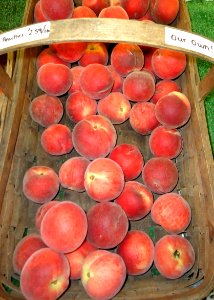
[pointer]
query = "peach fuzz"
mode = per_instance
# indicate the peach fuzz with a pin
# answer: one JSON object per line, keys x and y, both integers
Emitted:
{"x": 54, "y": 79}
{"x": 142, "y": 117}
{"x": 71, "y": 173}
{"x": 40, "y": 184}
{"x": 100, "y": 284}
{"x": 173, "y": 110}
{"x": 76, "y": 259}
{"x": 48, "y": 56}
{"x": 107, "y": 225}
{"x": 172, "y": 212}
{"x": 135, "y": 9}
{"x": 70, "y": 52}
{"x": 46, "y": 110}
{"x": 75, "y": 72}
{"x": 24, "y": 249}
{"x": 38, "y": 14}
{"x": 116, "y": 107}
{"x": 160, "y": 175}
{"x": 58, "y": 9}
{"x": 94, "y": 53}
{"x": 168, "y": 64}
{"x": 83, "y": 12}
{"x": 41, "y": 211}
{"x": 104, "y": 179}
{"x": 95, "y": 5}
{"x": 57, "y": 139}
{"x": 136, "y": 200}
{"x": 174, "y": 256}
{"x": 48, "y": 272}
{"x": 164, "y": 87}
{"x": 79, "y": 106}
{"x": 126, "y": 58}
{"x": 118, "y": 80}
{"x": 139, "y": 86}
{"x": 114, "y": 12}
{"x": 64, "y": 227}
{"x": 137, "y": 251}
{"x": 163, "y": 11}
{"x": 96, "y": 81}
{"x": 130, "y": 159}
{"x": 94, "y": 137}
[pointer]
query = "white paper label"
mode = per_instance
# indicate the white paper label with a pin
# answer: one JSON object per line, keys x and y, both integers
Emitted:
{"x": 25, "y": 34}
{"x": 186, "y": 40}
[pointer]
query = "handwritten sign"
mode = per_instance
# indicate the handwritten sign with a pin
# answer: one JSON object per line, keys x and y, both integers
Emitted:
{"x": 26, "y": 34}
{"x": 186, "y": 40}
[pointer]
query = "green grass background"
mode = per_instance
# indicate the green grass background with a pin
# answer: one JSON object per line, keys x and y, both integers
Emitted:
{"x": 202, "y": 20}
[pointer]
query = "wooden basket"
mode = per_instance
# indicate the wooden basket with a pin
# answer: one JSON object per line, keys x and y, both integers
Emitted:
{"x": 20, "y": 149}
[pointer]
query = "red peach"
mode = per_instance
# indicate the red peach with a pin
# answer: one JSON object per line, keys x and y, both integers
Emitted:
{"x": 164, "y": 87}
{"x": 42, "y": 211}
{"x": 168, "y": 64}
{"x": 79, "y": 106}
{"x": 94, "y": 53}
{"x": 130, "y": 159}
{"x": 75, "y": 72}
{"x": 148, "y": 59}
{"x": 24, "y": 249}
{"x": 57, "y": 139}
{"x": 104, "y": 179}
{"x": 118, "y": 80}
{"x": 83, "y": 12}
{"x": 54, "y": 79}
{"x": 38, "y": 14}
{"x": 96, "y": 5}
{"x": 45, "y": 275}
{"x": 116, "y": 107}
{"x": 48, "y": 56}
{"x": 107, "y": 225}
{"x": 58, "y": 9}
{"x": 46, "y": 110}
{"x": 71, "y": 173}
{"x": 96, "y": 81}
{"x": 126, "y": 58}
{"x": 135, "y": 9}
{"x": 64, "y": 227}
{"x": 136, "y": 200}
{"x": 147, "y": 16}
{"x": 40, "y": 184}
{"x": 142, "y": 117}
{"x": 173, "y": 110}
{"x": 139, "y": 86}
{"x": 70, "y": 52}
{"x": 137, "y": 251}
{"x": 164, "y": 12}
{"x": 160, "y": 175}
{"x": 114, "y": 12}
{"x": 94, "y": 137}
{"x": 103, "y": 274}
{"x": 172, "y": 212}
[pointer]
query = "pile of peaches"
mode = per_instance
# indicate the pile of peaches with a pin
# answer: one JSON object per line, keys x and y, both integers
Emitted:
{"x": 99, "y": 86}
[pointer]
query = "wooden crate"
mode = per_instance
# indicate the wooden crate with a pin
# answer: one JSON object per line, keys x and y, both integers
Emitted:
{"x": 20, "y": 149}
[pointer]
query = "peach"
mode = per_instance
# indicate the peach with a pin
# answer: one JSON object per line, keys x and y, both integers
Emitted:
{"x": 139, "y": 86}
{"x": 136, "y": 200}
{"x": 48, "y": 272}
{"x": 126, "y": 58}
{"x": 94, "y": 53}
{"x": 48, "y": 56}
{"x": 168, "y": 64}
{"x": 164, "y": 87}
{"x": 83, "y": 12}
{"x": 103, "y": 274}
{"x": 107, "y": 225}
{"x": 46, "y": 110}
{"x": 104, "y": 179}
{"x": 54, "y": 79}
{"x": 40, "y": 184}
{"x": 71, "y": 173}
{"x": 172, "y": 212}
{"x": 57, "y": 139}
{"x": 116, "y": 107}
{"x": 24, "y": 249}
{"x": 57, "y": 9}
{"x": 163, "y": 11}
{"x": 42, "y": 211}
{"x": 38, "y": 14}
{"x": 174, "y": 256}
{"x": 64, "y": 227}
{"x": 76, "y": 259}
{"x": 130, "y": 159}
{"x": 137, "y": 251}
{"x": 142, "y": 117}
{"x": 96, "y": 81}
{"x": 79, "y": 106}
{"x": 147, "y": 16}
{"x": 114, "y": 12}
{"x": 135, "y": 9}
{"x": 148, "y": 59}
{"x": 70, "y": 52}
{"x": 96, "y": 5}
{"x": 160, "y": 175}
{"x": 173, "y": 110}
{"x": 118, "y": 80}
{"x": 94, "y": 137}
{"x": 75, "y": 72}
